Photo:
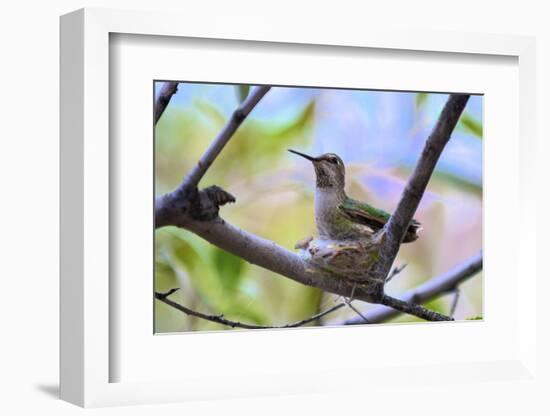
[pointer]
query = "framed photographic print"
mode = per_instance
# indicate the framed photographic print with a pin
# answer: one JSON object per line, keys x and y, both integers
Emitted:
{"x": 380, "y": 136}
{"x": 237, "y": 209}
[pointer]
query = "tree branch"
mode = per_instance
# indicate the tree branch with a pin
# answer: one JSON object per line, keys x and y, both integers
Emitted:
{"x": 239, "y": 115}
{"x": 413, "y": 308}
{"x": 431, "y": 289}
{"x": 165, "y": 95}
{"x": 235, "y": 324}
{"x": 398, "y": 223}
{"x": 271, "y": 256}
{"x": 170, "y": 206}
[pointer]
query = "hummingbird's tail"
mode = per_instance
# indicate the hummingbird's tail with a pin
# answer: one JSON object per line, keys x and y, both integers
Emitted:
{"x": 412, "y": 232}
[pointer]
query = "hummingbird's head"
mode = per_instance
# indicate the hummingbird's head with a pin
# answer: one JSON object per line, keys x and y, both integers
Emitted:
{"x": 329, "y": 169}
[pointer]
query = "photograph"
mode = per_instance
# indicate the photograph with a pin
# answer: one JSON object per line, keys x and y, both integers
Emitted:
{"x": 292, "y": 207}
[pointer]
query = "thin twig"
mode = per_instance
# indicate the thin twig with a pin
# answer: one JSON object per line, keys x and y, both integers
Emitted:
{"x": 312, "y": 318}
{"x": 164, "y": 97}
{"x": 431, "y": 289}
{"x": 161, "y": 296}
{"x": 357, "y": 311}
{"x": 396, "y": 271}
{"x": 235, "y": 324}
{"x": 455, "y": 301}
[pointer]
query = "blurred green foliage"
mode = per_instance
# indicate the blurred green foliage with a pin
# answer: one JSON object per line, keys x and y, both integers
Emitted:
{"x": 242, "y": 91}
{"x": 471, "y": 125}
{"x": 275, "y": 200}
{"x": 421, "y": 99}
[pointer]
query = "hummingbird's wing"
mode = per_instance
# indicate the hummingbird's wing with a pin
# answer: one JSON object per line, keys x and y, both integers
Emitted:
{"x": 363, "y": 213}
{"x": 374, "y": 218}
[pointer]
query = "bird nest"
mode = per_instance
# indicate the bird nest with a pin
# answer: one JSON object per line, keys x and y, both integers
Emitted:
{"x": 350, "y": 259}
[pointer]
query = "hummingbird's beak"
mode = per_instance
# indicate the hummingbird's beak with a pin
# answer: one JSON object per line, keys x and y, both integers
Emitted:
{"x": 310, "y": 158}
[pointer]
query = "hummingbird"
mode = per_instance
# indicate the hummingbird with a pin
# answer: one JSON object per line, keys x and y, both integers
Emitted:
{"x": 339, "y": 217}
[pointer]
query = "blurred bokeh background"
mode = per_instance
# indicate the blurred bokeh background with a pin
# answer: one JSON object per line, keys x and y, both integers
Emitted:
{"x": 378, "y": 134}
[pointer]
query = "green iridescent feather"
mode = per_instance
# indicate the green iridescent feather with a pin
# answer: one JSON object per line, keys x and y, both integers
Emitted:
{"x": 375, "y": 218}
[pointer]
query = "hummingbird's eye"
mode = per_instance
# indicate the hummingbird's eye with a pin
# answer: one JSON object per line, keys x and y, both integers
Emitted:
{"x": 333, "y": 160}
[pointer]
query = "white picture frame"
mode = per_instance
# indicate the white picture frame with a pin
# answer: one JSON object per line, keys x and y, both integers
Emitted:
{"x": 86, "y": 356}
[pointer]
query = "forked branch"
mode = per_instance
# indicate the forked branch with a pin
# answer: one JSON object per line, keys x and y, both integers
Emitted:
{"x": 431, "y": 289}
{"x": 171, "y": 207}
